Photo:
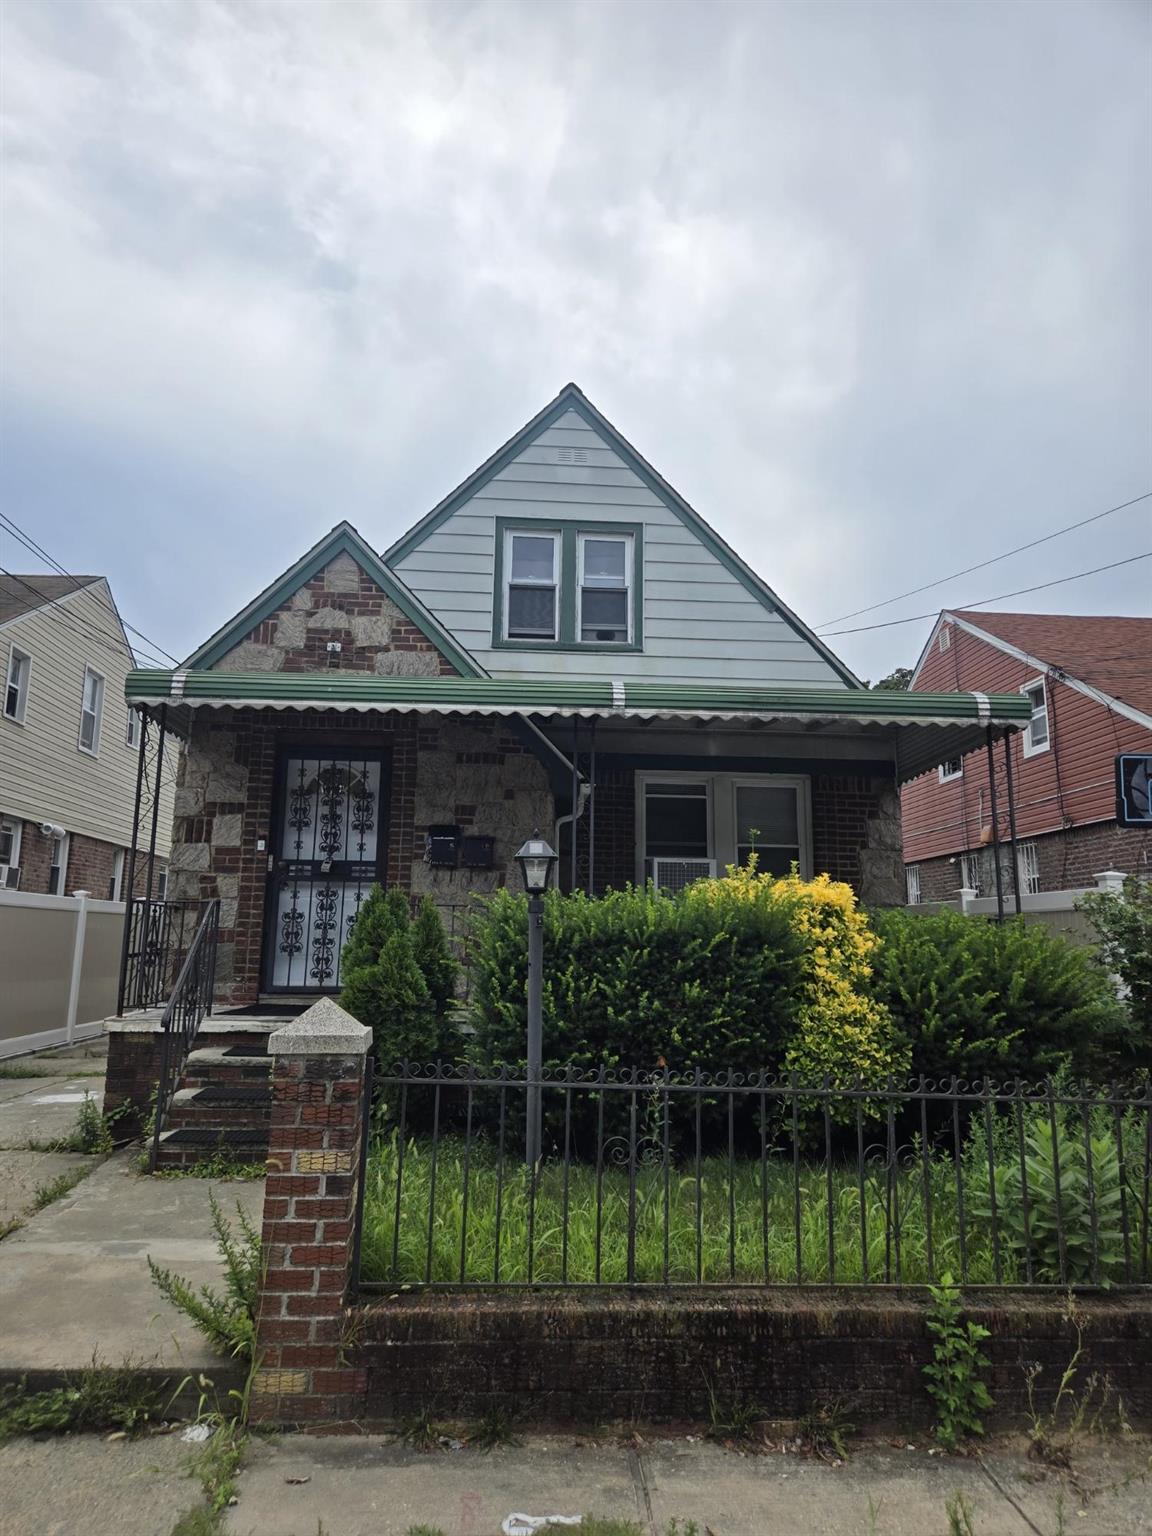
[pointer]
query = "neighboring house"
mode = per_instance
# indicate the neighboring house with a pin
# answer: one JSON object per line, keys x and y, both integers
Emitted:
{"x": 562, "y": 644}
{"x": 68, "y": 740}
{"x": 1089, "y": 685}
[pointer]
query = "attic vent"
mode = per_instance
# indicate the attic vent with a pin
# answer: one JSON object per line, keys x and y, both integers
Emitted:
{"x": 573, "y": 455}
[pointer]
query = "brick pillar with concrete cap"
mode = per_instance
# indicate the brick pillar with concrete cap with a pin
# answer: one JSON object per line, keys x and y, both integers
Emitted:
{"x": 319, "y": 1062}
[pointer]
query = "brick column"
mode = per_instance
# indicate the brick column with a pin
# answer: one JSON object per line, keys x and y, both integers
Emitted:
{"x": 309, "y": 1212}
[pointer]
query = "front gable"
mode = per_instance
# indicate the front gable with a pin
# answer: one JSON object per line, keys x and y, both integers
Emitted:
{"x": 697, "y": 612}
{"x": 337, "y": 609}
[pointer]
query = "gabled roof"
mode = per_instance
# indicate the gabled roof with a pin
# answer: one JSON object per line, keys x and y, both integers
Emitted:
{"x": 1107, "y": 658}
{"x": 343, "y": 539}
{"x": 24, "y": 594}
{"x": 572, "y": 398}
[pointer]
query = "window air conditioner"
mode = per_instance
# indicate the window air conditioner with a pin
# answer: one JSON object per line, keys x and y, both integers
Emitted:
{"x": 675, "y": 874}
{"x": 9, "y": 877}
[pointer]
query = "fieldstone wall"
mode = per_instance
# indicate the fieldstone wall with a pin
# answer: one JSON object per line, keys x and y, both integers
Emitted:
{"x": 340, "y": 605}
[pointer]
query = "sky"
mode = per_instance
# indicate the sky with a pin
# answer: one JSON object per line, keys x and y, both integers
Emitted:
{"x": 869, "y": 283}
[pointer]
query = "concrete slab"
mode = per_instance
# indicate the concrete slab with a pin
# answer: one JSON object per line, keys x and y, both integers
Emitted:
{"x": 1111, "y": 1494}
{"x": 45, "y": 1110}
{"x": 75, "y": 1278}
{"x": 23, "y": 1173}
{"x": 82, "y": 1485}
{"x": 368, "y": 1486}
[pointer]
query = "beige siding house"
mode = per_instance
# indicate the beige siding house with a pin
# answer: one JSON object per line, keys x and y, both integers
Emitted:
{"x": 68, "y": 741}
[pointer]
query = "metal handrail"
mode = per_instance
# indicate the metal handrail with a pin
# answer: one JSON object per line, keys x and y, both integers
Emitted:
{"x": 189, "y": 1002}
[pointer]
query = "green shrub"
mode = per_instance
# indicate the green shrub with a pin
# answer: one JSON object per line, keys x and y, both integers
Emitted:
{"x": 1124, "y": 924}
{"x": 1005, "y": 1000}
{"x": 381, "y": 915}
{"x": 393, "y": 999}
{"x": 432, "y": 955}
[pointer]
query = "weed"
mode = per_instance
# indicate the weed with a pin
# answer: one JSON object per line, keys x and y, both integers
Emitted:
{"x": 216, "y": 1466}
{"x": 57, "y": 1188}
{"x": 228, "y": 1320}
{"x": 221, "y": 1165}
{"x": 494, "y": 1429}
{"x": 823, "y": 1431}
{"x": 13, "y": 1224}
{"x": 98, "y": 1397}
{"x": 1075, "y": 1411}
{"x": 953, "y": 1377}
{"x": 682, "y": 1528}
{"x": 874, "y": 1507}
{"x": 12, "y": 1070}
{"x": 421, "y": 1431}
{"x": 92, "y": 1132}
{"x": 425, "y": 1530}
{"x": 959, "y": 1512}
{"x": 734, "y": 1419}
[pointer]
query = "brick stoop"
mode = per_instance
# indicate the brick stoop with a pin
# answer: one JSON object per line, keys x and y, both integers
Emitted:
{"x": 224, "y": 1101}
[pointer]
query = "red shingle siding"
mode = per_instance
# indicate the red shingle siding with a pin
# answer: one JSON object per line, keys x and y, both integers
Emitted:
{"x": 1070, "y": 785}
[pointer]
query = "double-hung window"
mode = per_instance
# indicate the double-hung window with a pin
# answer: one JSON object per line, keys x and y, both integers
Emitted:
{"x": 16, "y": 687}
{"x": 133, "y": 736}
{"x": 10, "y": 830}
{"x": 951, "y": 768}
{"x": 58, "y": 868}
{"x": 91, "y": 711}
{"x": 711, "y": 820}
{"x": 1037, "y": 737}
{"x": 532, "y": 561}
{"x": 605, "y": 588}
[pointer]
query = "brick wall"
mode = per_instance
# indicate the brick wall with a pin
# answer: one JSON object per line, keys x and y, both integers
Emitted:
{"x": 1068, "y": 860}
{"x": 582, "y": 1358}
{"x": 89, "y": 868}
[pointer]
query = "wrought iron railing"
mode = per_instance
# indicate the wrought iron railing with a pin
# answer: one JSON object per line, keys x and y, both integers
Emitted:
{"x": 158, "y": 937}
{"x": 730, "y": 1179}
{"x": 189, "y": 1002}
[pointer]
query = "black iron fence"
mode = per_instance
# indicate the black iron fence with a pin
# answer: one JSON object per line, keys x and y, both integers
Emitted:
{"x": 190, "y": 999}
{"x": 653, "y": 1179}
{"x": 158, "y": 936}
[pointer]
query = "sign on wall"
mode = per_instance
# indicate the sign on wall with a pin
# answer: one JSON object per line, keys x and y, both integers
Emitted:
{"x": 1134, "y": 789}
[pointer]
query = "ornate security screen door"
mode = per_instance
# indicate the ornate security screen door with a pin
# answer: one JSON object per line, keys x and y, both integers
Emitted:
{"x": 330, "y": 829}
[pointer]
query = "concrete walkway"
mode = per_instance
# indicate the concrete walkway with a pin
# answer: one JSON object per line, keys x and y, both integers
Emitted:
{"x": 75, "y": 1277}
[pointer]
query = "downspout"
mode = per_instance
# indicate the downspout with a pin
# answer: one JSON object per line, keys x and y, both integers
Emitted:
{"x": 583, "y": 788}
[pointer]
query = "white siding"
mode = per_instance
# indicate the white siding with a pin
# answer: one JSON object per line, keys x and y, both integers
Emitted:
{"x": 44, "y": 776}
{"x": 700, "y": 623}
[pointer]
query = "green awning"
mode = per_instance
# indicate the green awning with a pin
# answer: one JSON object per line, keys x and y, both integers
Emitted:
{"x": 923, "y": 729}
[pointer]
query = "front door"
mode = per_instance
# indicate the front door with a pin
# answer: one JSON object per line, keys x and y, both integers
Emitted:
{"x": 328, "y": 850}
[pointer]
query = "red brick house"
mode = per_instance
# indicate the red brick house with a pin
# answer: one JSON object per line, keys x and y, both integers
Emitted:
{"x": 1089, "y": 683}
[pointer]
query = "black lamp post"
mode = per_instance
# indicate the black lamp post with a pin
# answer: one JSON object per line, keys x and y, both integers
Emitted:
{"x": 535, "y": 859}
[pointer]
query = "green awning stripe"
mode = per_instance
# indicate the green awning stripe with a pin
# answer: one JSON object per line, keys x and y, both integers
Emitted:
{"x": 544, "y": 696}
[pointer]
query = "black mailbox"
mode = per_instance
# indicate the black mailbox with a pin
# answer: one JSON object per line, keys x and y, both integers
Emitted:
{"x": 442, "y": 847}
{"x": 477, "y": 852}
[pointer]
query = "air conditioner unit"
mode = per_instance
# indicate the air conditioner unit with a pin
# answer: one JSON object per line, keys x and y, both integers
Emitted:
{"x": 675, "y": 874}
{"x": 9, "y": 877}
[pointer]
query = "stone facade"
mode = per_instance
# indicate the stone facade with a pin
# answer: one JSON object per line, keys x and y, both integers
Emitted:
{"x": 340, "y": 606}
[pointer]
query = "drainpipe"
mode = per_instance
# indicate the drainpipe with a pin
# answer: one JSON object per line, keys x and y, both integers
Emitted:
{"x": 583, "y": 788}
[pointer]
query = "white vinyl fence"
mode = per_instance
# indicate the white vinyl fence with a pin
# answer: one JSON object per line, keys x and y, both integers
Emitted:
{"x": 1055, "y": 909}
{"x": 59, "y": 968}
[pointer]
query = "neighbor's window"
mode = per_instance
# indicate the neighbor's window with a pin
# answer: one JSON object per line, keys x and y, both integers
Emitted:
{"x": 970, "y": 872}
{"x": 133, "y": 728}
{"x": 605, "y": 563}
{"x": 58, "y": 868}
{"x": 912, "y": 880}
{"x": 768, "y": 821}
{"x": 533, "y": 564}
{"x": 1030, "y": 869}
{"x": 952, "y": 768}
{"x": 91, "y": 711}
{"x": 161, "y": 884}
{"x": 116, "y": 883}
{"x": 10, "y": 828}
{"x": 16, "y": 691}
{"x": 1036, "y": 737}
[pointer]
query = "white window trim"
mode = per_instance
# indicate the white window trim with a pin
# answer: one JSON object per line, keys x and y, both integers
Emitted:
{"x": 950, "y": 778}
{"x": 721, "y": 789}
{"x": 22, "y": 708}
{"x": 1029, "y": 855}
{"x": 94, "y": 749}
{"x": 161, "y": 884}
{"x": 119, "y": 859}
{"x": 17, "y": 838}
{"x": 969, "y": 862}
{"x": 65, "y": 843}
{"x": 1028, "y": 746}
{"x": 629, "y": 543}
{"x": 912, "y": 891}
{"x": 132, "y": 733}
{"x": 532, "y": 533}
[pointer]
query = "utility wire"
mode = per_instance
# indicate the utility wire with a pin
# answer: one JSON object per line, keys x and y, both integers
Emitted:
{"x": 91, "y": 633}
{"x": 967, "y": 571}
{"x": 30, "y": 544}
{"x": 1003, "y": 597}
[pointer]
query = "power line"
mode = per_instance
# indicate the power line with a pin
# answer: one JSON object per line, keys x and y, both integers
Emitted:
{"x": 86, "y": 631}
{"x": 967, "y": 571}
{"x": 30, "y": 544}
{"x": 1003, "y": 597}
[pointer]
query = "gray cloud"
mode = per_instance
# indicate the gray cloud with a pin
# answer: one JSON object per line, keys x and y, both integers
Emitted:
{"x": 867, "y": 282}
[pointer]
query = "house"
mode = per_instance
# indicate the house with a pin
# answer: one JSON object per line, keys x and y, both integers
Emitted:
{"x": 68, "y": 741}
{"x": 1088, "y": 682}
{"x": 562, "y": 644}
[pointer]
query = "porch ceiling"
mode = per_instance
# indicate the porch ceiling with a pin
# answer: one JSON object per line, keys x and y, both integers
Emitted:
{"x": 923, "y": 729}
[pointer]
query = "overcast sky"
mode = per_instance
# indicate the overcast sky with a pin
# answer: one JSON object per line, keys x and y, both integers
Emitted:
{"x": 868, "y": 283}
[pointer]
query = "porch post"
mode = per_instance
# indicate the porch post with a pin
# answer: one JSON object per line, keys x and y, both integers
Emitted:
{"x": 592, "y": 808}
{"x": 128, "y": 903}
{"x": 156, "y": 798}
{"x": 1012, "y": 822}
{"x": 575, "y": 799}
{"x": 995, "y": 830}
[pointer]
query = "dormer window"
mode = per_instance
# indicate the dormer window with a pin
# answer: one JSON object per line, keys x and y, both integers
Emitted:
{"x": 605, "y": 585}
{"x": 533, "y": 564}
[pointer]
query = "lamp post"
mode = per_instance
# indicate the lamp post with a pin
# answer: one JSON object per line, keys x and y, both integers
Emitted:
{"x": 535, "y": 859}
